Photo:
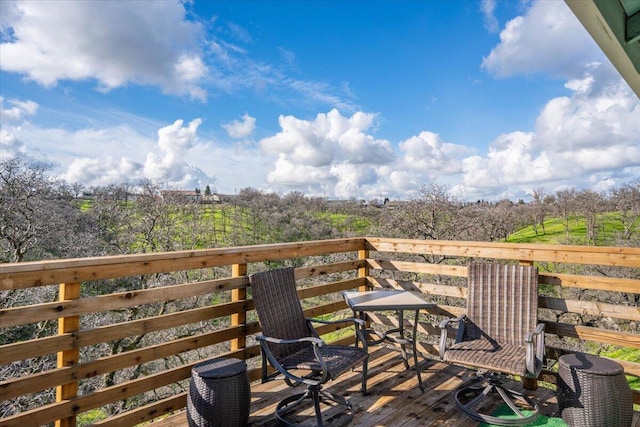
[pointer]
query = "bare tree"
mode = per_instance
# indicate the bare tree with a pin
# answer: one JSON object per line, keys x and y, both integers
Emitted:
{"x": 541, "y": 205}
{"x": 626, "y": 200}
{"x": 565, "y": 201}
{"x": 433, "y": 215}
{"x": 37, "y": 218}
{"x": 590, "y": 204}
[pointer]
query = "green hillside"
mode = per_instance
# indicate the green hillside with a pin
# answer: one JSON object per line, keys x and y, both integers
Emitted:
{"x": 574, "y": 232}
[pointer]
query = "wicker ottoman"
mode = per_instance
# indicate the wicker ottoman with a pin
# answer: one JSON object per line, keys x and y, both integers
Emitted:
{"x": 593, "y": 391}
{"x": 219, "y": 394}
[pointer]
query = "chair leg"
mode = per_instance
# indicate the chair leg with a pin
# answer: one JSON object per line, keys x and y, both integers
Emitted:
{"x": 365, "y": 366}
{"x": 469, "y": 397}
{"x": 317, "y": 396}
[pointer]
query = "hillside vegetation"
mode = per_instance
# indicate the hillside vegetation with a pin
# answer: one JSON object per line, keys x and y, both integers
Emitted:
{"x": 575, "y": 233}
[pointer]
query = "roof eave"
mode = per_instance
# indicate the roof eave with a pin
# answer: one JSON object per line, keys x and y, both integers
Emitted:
{"x": 609, "y": 32}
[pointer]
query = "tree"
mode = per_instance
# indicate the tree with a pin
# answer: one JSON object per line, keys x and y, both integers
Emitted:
{"x": 565, "y": 205}
{"x": 207, "y": 190}
{"x": 541, "y": 205}
{"x": 626, "y": 200}
{"x": 433, "y": 215}
{"x": 37, "y": 218}
{"x": 590, "y": 204}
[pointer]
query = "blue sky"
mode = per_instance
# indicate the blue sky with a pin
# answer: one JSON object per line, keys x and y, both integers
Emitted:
{"x": 343, "y": 99}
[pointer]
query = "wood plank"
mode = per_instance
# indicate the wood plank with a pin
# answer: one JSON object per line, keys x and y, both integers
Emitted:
{"x": 52, "y": 272}
{"x": 51, "y": 345}
{"x": 592, "y": 308}
{"x": 601, "y": 283}
{"x": 588, "y": 333}
{"x": 324, "y": 269}
{"x": 419, "y": 267}
{"x": 23, "y": 385}
{"x": 603, "y": 255}
{"x": 116, "y": 301}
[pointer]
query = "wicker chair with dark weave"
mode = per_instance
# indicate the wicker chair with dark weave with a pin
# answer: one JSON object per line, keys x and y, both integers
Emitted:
{"x": 498, "y": 335}
{"x": 292, "y": 346}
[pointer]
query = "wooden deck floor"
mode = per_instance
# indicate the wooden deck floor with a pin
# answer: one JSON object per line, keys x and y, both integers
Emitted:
{"x": 394, "y": 398}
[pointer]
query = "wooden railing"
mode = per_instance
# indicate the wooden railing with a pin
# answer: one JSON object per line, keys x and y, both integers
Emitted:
{"x": 129, "y": 328}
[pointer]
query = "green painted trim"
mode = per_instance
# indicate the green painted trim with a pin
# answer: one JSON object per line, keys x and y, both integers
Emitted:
{"x": 633, "y": 28}
{"x": 618, "y": 22}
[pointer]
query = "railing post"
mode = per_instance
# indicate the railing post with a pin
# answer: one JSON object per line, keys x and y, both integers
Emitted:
{"x": 239, "y": 318}
{"x": 363, "y": 271}
{"x": 68, "y": 291}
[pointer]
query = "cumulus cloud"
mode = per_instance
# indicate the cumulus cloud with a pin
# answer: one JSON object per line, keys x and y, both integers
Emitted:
{"x": 590, "y": 139}
{"x": 240, "y": 129}
{"x": 104, "y": 171}
{"x": 331, "y": 155}
{"x": 337, "y": 156}
{"x": 429, "y": 155}
{"x": 547, "y": 38}
{"x": 115, "y": 43}
{"x": 115, "y": 155}
{"x": 174, "y": 141}
{"x": 18, "y": 112}
{"x": 12, "y": 120}
{"x": 165, "y": 160}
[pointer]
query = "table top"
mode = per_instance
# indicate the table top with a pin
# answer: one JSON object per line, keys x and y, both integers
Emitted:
{"x": 384, "y": 300}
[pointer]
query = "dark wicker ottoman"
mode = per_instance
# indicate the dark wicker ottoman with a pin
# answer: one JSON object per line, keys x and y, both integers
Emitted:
{"x": 593, "y": 391}
{"x": 219, "y": 394}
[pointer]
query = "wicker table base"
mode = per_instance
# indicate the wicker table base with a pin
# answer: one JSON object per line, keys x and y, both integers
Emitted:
{"x": 219, "y": 394}
{"x": 593, "y": 391}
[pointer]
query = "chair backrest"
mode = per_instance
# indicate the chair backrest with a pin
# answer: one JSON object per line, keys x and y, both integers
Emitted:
{"x": 279, "y": 310}
{"x": 502, "y": 301}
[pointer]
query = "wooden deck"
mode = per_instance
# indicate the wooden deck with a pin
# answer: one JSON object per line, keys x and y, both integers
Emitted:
{"x": 394, "y": 398}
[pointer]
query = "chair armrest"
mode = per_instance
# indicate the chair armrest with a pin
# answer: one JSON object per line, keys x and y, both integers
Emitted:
{"x": 444, "y": 331}
{"x": 359, "y": 325}
{"x": 312, "y": 340}
{"x": 266, "y": 352}
{"x": 535, "y": 355}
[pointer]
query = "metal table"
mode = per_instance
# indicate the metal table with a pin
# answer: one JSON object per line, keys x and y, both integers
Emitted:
{"x": 399, "y": 301}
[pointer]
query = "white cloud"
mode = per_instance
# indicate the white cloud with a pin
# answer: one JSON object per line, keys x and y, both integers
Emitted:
{"x": 104, "y": 171}
{"x": 112, "y": 155}
{"x": 547, "y": 38}
{"x": 427, "y": 154}
{"x": 331, "y": 155}
{"x": 18, "y": 112}
{"x": 10, "y": 146}
{"x": 337, "y": 156}
{"x": 174, "y": 141}
{"x": 488, "y": 8}
{"x": 115, "y": 43}
{"x": 240, "y": 129}
{"x": 590, "y": 139}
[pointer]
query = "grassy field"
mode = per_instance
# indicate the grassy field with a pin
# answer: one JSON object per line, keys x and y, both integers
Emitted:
{"x": 575, "y": 232}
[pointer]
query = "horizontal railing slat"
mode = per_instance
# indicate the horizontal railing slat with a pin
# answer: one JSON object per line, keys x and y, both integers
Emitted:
{"x": 39, "y": 273}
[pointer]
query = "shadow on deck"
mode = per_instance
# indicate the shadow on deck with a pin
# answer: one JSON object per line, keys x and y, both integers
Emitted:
{"x": 394, "y": 398}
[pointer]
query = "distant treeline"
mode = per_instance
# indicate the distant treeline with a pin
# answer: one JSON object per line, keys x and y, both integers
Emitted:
{"x": 42, "y": 218}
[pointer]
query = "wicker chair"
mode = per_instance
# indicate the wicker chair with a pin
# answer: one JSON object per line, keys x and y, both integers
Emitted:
{"x": 293, "y": 347}
{"x": 498, "y": 335}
